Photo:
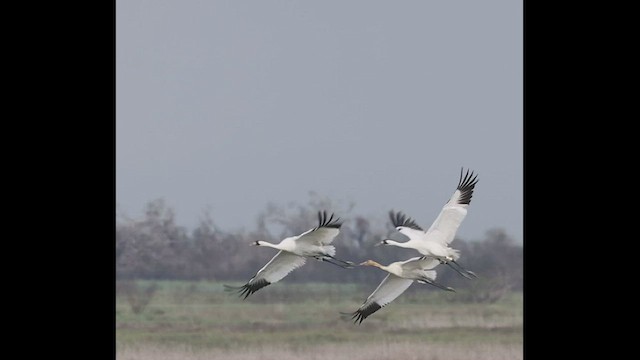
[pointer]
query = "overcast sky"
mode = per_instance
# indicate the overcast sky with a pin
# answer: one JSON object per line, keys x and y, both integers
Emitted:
{"x": 229, "y": 105}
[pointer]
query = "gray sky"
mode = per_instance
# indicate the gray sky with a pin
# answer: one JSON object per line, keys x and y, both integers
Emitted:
{"x": 229, "y": 105}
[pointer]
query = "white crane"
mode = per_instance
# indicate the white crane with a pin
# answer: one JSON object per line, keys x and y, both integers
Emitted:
{"x": 294, "y": 252}
{"x": 401, "y": 275}
{"x": 435, "y": 241}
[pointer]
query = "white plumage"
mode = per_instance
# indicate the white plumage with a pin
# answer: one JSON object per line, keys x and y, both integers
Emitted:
{"x": 435, "y": 241}
{"x": 401, "y": 275}
{"x": 294, "y": 251}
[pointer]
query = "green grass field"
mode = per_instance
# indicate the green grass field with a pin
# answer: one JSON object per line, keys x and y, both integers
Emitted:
{"x": 198, "y": 320}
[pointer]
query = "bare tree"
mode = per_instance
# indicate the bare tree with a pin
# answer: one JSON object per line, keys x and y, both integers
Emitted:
{"x": 155, "y": 247}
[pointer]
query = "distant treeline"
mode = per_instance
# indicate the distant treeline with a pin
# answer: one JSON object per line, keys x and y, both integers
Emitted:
{"x": 155, "y": 247}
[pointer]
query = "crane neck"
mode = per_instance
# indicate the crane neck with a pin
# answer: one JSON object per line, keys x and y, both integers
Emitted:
{"x": 379, "y": 266}
{"x": 398, "y": 244}
{"x": 268, "y": 244}
{"x": 382, "y": 267}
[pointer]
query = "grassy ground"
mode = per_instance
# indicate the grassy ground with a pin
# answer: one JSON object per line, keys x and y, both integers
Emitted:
{"x": 197, "y": 320}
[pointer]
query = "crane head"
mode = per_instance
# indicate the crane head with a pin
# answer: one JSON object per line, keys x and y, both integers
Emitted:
{"x": 383, "y": 242}
{"x": 369, "y": 263}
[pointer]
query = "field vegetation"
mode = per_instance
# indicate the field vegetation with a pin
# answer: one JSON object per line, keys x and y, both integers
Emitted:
{"x": 170, "y": 303}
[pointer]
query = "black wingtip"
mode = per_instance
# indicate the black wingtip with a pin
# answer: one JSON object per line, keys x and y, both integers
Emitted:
{"x": 248, "y": 288}
{"x": 364, "y": 312}
{"x": 330, "y": 222}
{"x": 401, "y": 219}
{"x": 466, "y": 185}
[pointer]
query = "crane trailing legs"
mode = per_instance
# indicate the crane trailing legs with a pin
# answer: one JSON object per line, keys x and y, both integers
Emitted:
{"x": 459, "y": 269}
{"x": 335, "y": 261}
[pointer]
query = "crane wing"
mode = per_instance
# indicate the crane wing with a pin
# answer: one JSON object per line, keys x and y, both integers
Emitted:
{"x": 389, "y": 289}
{"x": 406, "y": 225}
{"x": 444, "y": 228}
{"x": 420, "y": 263}
{"x": 324, "y": 233}
{"x": 277, "y": 268}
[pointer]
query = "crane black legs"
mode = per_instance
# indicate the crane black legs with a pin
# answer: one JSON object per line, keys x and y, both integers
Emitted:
{"x": 460, "y": 270}
{"x": 426, "y": 280}
{"x": 332, "y": 260}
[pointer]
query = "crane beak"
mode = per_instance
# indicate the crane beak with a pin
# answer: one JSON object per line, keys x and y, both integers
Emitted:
{"x": 254, "y": 243}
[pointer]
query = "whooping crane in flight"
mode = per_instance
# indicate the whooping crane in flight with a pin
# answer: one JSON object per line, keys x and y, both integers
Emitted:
{"x": 401, "y": 275}
{"x": 435, "y": 241}
{"x": 294, "y": 252}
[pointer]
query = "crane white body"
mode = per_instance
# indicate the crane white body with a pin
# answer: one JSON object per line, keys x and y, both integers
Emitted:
{"x": 401, "y": 275}
{"x": 294, "y": 251}
{"x": 435, "y": 241}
